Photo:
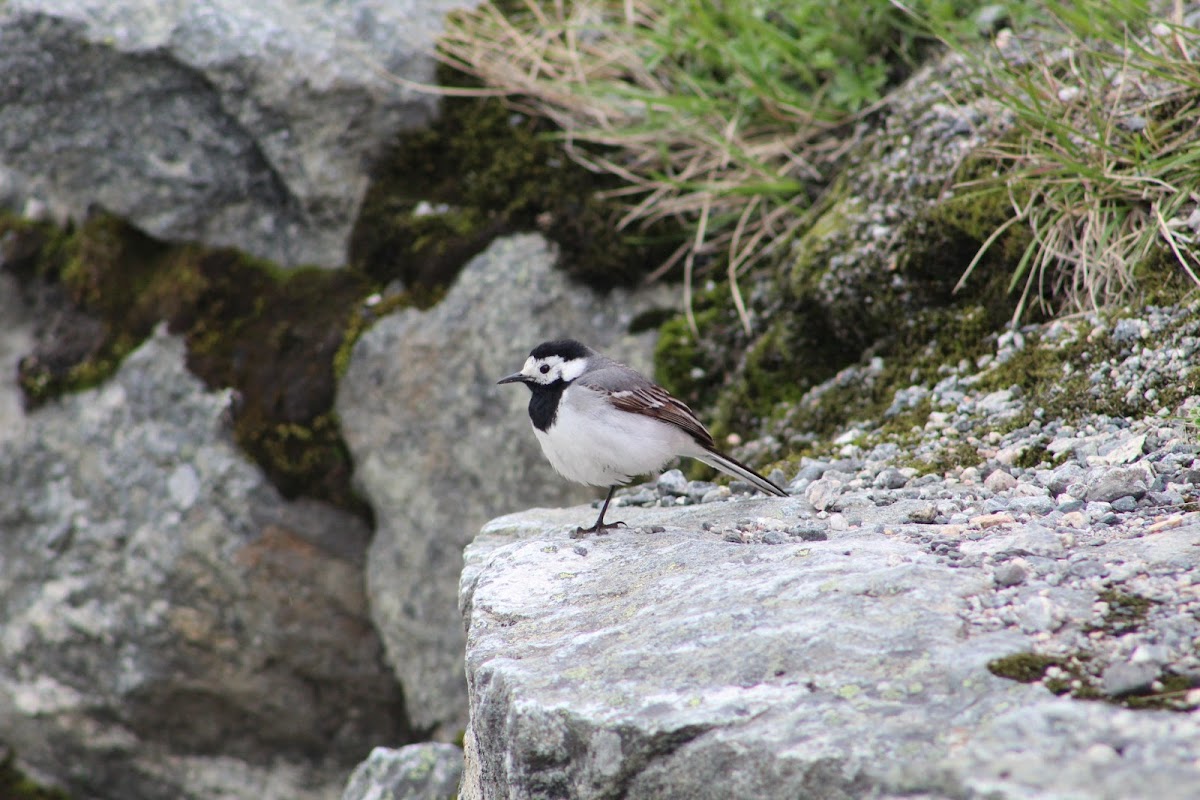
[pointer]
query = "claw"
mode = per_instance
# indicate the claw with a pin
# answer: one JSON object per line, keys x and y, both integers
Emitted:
{"x": 598, "y": 529}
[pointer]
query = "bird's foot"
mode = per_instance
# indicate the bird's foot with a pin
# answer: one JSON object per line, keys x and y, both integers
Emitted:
{"x": 598, "y": 529}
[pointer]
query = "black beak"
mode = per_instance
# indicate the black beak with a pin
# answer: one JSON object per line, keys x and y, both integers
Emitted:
{"x": 516, "y": 377}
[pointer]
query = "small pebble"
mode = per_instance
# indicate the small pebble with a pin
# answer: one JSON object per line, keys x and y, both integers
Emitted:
{"x": 924, "y": 515}
{"x": 716, "y": 495}
{"x": 890, "y": 478}
{"x": 808, "y": 532}
{"x": 1010, "y": 574}
{"x": 672, "y": 482}
{"x": 1124, "y": 504}
{"x": 999, "y": 481}
{"x": 991, "y": 520}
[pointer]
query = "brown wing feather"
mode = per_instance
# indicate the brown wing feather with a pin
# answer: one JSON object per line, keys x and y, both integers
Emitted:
{"x": 654, "y": 401}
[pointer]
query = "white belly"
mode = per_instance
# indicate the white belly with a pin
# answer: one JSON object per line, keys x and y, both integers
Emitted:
{"x": 592, "y": 443}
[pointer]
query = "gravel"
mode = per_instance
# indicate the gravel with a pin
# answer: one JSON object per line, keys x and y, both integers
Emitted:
{"x": 1110, "y": 495}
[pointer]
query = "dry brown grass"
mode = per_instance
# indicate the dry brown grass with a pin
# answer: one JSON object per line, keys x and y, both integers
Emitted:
{"x": 737, "y": 180}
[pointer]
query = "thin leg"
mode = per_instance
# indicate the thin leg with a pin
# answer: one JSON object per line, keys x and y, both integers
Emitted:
{"x": 601, "y": 527}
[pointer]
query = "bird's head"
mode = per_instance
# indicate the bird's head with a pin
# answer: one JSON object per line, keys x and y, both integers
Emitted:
{"x": 550, "y": 362}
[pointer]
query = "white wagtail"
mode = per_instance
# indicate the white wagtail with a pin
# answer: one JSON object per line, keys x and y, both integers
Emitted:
{"x": 601, "y": 423}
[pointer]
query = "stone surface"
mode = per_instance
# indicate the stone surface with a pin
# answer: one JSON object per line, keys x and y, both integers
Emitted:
{"x": 1106, "y": 485}
{"x": 429, "y": 771}
{"x": 16, "y": 338}
{"x": 439, "y": 448}
{"x": 172, "y": 627}
{"x": 680, "y": 664}
{"x": 244, "y": 124}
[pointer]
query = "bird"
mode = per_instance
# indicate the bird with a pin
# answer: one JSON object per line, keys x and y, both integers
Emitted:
{"x": 601, "y": 423}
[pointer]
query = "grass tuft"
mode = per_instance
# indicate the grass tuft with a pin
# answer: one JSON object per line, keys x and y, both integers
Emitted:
{"x": 1102, "y": 167}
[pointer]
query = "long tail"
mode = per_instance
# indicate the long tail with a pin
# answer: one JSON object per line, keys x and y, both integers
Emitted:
{"x": 739, "y": 470}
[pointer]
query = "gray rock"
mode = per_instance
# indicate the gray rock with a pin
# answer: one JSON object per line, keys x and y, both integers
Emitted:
{"x": 1125, "y": 677}
{"x": 429, "y": 771}
{"x": 1036, "y": 505}
{"x": 809, "y": 532}
{"x": 1069, "y": 505}
{"x": 16, "y": 340}
{"x": 673, "y": 483}
{"x": 1124, "y": 449}
{"x": 998, "y": 403}
{"x": 1130, "y": 330}
{"x": 244, "y": 124}
{"x": 1088, "y": 568}
{"x": 1030, "y": 539}
{"x": 823, "y": 493}
{"x": 890, "y": 478}
{"x": 1010, "y": 574}
{"x": 439, "y": 447}
{"x": 924, "y": 513}
{"x": 1124, "y": 504}
{"x": 811, "y": 470}
{"x": 999, "y": 481}
{"x": 663, "y": 712}
{"x": 1107, "y": 484}
{"x": 1059, "y": 748}
{"x": 1063, "y": 476}
{"x": 683, "y": 666}
{"x": 172, "y": 627}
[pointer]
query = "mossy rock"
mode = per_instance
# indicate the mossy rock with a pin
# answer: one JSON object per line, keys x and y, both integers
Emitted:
{"x": 14, "y": 785}
{"x": 835, "y": 299}
{"x": 482, "y": 170}
{"x": 270, "y": 334}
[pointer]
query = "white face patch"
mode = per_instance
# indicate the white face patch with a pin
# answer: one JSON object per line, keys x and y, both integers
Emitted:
{"x": 573, "y": 369}
{"x": 552, "y": 368}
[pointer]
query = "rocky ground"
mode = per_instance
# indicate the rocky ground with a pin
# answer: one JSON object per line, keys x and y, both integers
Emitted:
{"x": 997, "y": 597}
{"x": 1061, "y": 538}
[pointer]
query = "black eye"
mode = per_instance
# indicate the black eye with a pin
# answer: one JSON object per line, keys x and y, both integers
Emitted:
{"x": 545, "y": 368}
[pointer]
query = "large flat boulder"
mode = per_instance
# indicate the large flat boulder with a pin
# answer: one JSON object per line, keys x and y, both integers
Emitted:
{"x": 677, "y": 663}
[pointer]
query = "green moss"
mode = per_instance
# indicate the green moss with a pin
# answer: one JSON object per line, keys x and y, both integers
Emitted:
{"x": 1055, "y": 376}
{"x": 1022, "y": 667}
{"x": 113, "y": 274}
{"x": 694, "y": 368}
{"x": 949, "y": 459}
{"x": 824, "y": 237}
{"x": 961, "y": 222}
{"x": 1078, "y": 677}
{"x": 1172, "y": 696}
{"x": 1126, "y": 612}
{"x": 274, "y": 336}
{"x": 15, "y": 786}
{"x": 482, "y": 170}
{"x": 1161, "y": 281}
{"x": 918, "y": 349}
{"x": 773, "y": 372}
{"x": 1032, "y": 457}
